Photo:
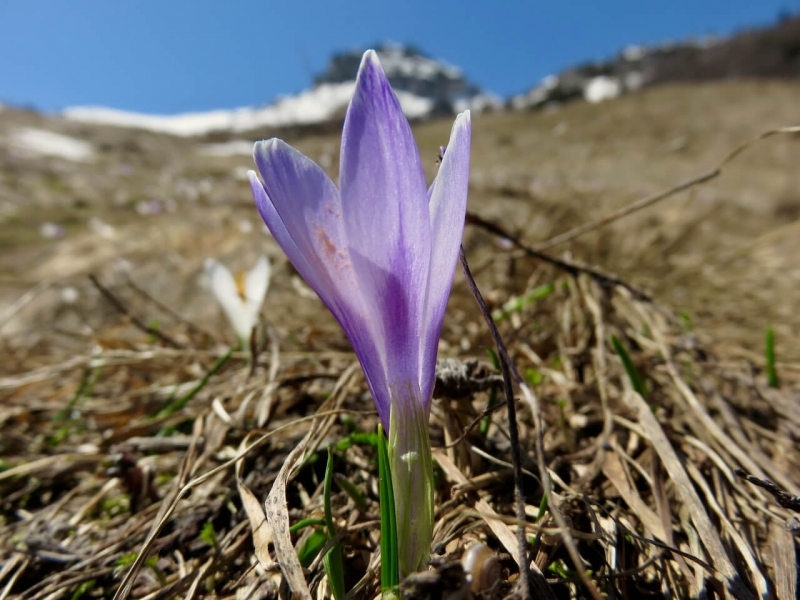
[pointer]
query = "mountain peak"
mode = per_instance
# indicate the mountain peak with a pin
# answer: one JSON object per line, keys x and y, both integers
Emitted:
{"x": 425, "y": 87}
{"x": 412, "y": 71}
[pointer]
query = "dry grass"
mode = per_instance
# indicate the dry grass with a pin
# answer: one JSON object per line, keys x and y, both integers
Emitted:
{"x": 124, "y": 472}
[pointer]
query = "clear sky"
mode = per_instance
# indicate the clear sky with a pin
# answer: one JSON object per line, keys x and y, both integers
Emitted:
{"x": 168, "y": 56}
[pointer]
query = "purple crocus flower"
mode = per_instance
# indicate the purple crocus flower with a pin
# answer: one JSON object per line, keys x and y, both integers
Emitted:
{"x": 380, "y": 251}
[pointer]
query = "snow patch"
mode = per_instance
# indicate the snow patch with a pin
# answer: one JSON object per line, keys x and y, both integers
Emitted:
{"x": 536, "y": 95}
{"x": 316, "y": 105}
{"x": 479, "y": 103}
{"x": 415, "y": 107}
{"x": 231, "y": 148}
{"x": 40, "y": 142}
{"x": 396, "y": 62}
{"x": 634, "y": 81}
{"x": 633, "y": 53}
{"x": 601, "y": 88}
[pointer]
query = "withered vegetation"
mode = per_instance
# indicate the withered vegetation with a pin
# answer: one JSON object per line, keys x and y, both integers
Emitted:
{"x": 139, "y": 456}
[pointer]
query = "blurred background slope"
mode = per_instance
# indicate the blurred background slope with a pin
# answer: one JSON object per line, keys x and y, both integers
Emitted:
{"x": 129, "y": 195}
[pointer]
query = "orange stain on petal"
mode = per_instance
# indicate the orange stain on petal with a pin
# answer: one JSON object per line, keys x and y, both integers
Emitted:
{"x": 328, "y": 247}
{"x": 332, "y": 255}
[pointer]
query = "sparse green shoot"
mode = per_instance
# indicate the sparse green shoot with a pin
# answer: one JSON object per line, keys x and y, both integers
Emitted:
{"x": 390, "y": 566}
{"x": 772, "y": 372}
{"x": 636, "y": 380}
{"x": 518, "y": 303}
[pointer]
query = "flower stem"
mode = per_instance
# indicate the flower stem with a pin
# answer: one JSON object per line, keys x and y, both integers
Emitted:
{"x": 412, "y": 477}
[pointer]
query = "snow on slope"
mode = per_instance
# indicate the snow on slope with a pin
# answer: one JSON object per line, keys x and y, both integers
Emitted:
{"x": 311, "y": 106}
{"x": 479, "y": 103}
{"x": 231, "y": 148}
{"x": 40, "y": 142}
{"x": 395, "y": 61}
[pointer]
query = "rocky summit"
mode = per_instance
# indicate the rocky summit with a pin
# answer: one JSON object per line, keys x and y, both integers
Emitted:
{"x": 410, "y": 70}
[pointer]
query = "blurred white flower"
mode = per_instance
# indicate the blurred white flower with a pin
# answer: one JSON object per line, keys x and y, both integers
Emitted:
{"x": 241, "y": 297}
{"x": 69, "y": 295}
{"x": 102, "y": 228}
{"x": 148, "y": 207}
{"x": 51, "y": 230}
{"x": 123, "y": 266}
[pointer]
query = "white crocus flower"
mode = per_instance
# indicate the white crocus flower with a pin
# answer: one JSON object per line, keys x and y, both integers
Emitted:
{"x": 241, "y": 297}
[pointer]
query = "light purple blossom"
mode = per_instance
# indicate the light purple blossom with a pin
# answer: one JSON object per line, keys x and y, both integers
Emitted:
{"x": 380, "y": 251}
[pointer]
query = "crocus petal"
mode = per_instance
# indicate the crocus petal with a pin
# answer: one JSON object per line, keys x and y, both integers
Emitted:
{"x": 382, "y": 182}
{"x": 224, "y": 289}
{"x": 385, "y": 209}
{"x": 302, "y": 209}
{"x": 301, "y": 206}
{"x": 448, "y": 206}
{"x": 397, "y": 358}
{"x": 275, "y": 224}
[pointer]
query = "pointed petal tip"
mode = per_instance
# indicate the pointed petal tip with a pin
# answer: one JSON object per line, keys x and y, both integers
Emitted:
{"x": 463, "y": 119}
{"x": 371, "y": 68}
{"x": 264, "y": 147}
{"x": 370, "y": 57}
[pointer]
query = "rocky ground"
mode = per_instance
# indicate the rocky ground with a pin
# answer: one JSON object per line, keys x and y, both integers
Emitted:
{"x": 140, "y": 212}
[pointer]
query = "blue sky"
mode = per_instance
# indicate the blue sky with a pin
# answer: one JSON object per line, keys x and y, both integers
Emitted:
{"x": 168, "y": 56}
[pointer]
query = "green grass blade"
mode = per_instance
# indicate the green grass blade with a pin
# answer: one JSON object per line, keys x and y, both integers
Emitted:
{"x": 542, "y": 509}
{"x": 636, "y": 380}
{"x": 357, "y": 438}
{"x": 311, "y": 547}
{"x": 302, "y": 524}
{"x": 390, "y": 568}
{"x": 83, "y": 589}
{"x": 182, "y": 401}
{"x": 772, "y": 373}
{"x": 67, "y": 414}
{"x": 519, "y": 303}
{"x": 332, "y": 561}
{"x": 352, "y": 490}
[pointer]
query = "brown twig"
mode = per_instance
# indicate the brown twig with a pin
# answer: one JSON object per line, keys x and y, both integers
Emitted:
{"x": 516, "y": 454}
{"x": 167, "y": 309}
{"x": 572, "y": 267}
{"x": 122, "y": 309}
{"x": 783, "y": 498}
